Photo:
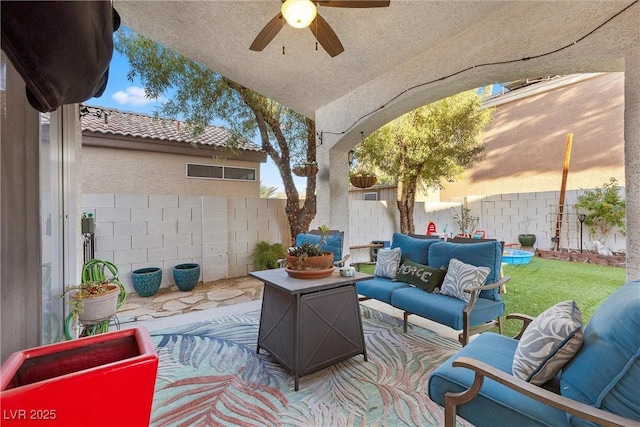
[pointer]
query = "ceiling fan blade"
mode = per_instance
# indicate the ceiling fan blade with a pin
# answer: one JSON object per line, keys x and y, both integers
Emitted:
{"x": 326, "y": 36}
{"x": 267, "y": 34}
{"x": 354, "y": 3}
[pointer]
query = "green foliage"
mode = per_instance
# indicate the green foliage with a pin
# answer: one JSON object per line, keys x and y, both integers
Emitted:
{"x": 307, "y": 249}
{"x": 266, "y": 255}
{"x": 435, "y": 142}
{"x": 203, "y": 97}
{"x": 425, "y": 148}
{"x": 606, "y": 210}
{"x": 268, "y": 192}
{"x": 464, "y": 220}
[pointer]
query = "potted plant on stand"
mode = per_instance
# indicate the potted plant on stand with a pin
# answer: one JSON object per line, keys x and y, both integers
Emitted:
{"x": 94, "y": 302}
{"x": 308, "y": 260}
{"x": 526, "y": 239}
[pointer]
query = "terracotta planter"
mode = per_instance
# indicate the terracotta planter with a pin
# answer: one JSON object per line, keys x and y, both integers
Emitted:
{"x": 97, "y": 308}
{"x": 363, "y": 181}
{"x": 313, "y": 263}
{"x": 305, "y": 170}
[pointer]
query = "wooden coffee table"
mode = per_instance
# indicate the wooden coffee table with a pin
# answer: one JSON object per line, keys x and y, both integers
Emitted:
{"x": 309, "y": 324}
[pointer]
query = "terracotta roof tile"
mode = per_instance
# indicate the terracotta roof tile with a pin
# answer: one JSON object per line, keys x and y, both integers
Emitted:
{"x": 143, "y": 126}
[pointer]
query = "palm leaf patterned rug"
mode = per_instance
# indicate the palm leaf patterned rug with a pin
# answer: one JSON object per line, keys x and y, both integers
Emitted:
{"x": 209, "y": 374}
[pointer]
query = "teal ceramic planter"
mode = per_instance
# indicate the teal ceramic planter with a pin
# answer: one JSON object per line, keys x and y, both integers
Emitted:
{"x": 146, "y": 281}
{"x": 186, "y": 276}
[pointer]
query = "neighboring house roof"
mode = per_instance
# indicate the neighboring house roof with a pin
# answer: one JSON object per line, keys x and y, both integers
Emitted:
{"x": 116, "y": 124}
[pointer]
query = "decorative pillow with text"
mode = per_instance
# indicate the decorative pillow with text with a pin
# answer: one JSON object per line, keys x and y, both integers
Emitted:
{"x": 421, "y": 276}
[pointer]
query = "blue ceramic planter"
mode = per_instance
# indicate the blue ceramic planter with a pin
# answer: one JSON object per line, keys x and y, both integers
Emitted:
{"x": 146, "y": 281}
{"x": 186, "y": 276}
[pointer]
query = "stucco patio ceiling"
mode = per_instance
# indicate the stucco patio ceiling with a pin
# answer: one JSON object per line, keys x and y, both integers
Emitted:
{"x": 436, "y": 38}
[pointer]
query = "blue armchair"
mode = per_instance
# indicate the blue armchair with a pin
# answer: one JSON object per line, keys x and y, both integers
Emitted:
{"x": 598, "y": 386}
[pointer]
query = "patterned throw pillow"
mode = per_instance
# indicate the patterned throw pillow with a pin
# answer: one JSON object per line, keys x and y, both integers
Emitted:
{"x": 460, "y": 276}
{"x": 421, "y": 276}
{"x": 387, "y": 263}
{"x": 549, "y": 343}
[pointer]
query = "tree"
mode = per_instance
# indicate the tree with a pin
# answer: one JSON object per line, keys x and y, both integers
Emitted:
{"x": 202, "y": 96}
{"x": 425, "y": 147}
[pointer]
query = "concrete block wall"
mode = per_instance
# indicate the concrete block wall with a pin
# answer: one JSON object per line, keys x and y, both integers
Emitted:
{"x": 137, "y": 231}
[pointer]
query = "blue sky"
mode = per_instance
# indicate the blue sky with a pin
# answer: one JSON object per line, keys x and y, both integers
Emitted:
{"x": 124, "y": 95}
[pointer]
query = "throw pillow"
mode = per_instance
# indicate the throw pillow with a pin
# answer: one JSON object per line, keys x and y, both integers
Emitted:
{"x": 421, "y": 276}
{"x": 387, "y": 262}
{"x": 461, "y": 276}
{"x": 549, "y": 343}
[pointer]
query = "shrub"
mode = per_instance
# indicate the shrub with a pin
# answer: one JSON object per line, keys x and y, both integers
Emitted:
{"x": 266, "y": 255}
{"x": 606, "y": 210}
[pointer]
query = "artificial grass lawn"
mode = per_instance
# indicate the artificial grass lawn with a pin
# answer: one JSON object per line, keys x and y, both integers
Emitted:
{"x": 536, "y": 286}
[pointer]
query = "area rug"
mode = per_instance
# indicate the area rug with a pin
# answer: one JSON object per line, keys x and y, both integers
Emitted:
{"x": 210, "y": 374}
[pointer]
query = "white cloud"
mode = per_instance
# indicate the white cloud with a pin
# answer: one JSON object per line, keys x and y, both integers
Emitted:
{"x": 133, "y": 95}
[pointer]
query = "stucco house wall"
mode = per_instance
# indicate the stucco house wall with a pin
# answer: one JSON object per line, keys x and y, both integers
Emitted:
{"x": 526, "y": 138}
{"x": 111, "y": 170}
{"x": 132, "y": 153}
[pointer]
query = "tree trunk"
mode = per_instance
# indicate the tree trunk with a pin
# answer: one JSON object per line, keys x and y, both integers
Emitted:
{"x": 405, "y": 200}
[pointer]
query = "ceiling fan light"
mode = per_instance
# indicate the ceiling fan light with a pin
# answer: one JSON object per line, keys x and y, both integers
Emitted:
{"x": 299, "y": 13}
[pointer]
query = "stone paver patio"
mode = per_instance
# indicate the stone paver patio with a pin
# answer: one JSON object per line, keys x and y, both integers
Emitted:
{"x": 172, "y": 301}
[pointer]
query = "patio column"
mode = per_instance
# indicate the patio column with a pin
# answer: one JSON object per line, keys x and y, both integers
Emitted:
{"x": 632, "y": 160}
{"x": 332, "y": 193}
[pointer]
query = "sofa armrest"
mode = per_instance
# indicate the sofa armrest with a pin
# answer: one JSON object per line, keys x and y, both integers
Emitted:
{"x": 482, "y": 370}
{"x": 526, "y": 320}
{"x": 494, "y": 285}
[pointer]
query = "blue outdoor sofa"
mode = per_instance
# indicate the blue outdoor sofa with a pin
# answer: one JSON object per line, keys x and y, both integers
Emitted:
{"x": 481, "y": 313}
{"x": 598, "y": 386}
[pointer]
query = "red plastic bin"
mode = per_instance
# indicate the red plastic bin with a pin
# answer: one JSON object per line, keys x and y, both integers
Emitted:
{"x": 101, "y": 380}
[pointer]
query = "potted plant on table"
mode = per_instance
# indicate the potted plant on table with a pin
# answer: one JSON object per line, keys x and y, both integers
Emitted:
{"x": 308, "y": 260}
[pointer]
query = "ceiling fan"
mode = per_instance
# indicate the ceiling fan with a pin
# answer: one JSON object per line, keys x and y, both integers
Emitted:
{"x": 303, "y": 13}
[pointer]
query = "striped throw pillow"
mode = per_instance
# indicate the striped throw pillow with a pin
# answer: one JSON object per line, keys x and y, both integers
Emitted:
{"x": 387, "y": 262}
{"x": 549, "y": 343}
{"x": 460, "y": 276}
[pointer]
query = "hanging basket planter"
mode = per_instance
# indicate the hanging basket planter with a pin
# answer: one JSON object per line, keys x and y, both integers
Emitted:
{"x": 363, "y": 181}
{"x": 307, "y": 169}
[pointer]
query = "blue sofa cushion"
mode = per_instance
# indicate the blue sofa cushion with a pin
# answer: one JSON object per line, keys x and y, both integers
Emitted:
{"x": 496, "y": 405}
{"x": 332, "y": 243}
{"x": 379, "y": 288}
{"x": 485, "y": 254}
{"x": 605, "y": 372}
{"x": 416, "y": 250}
{"x": 444, "y": 309}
